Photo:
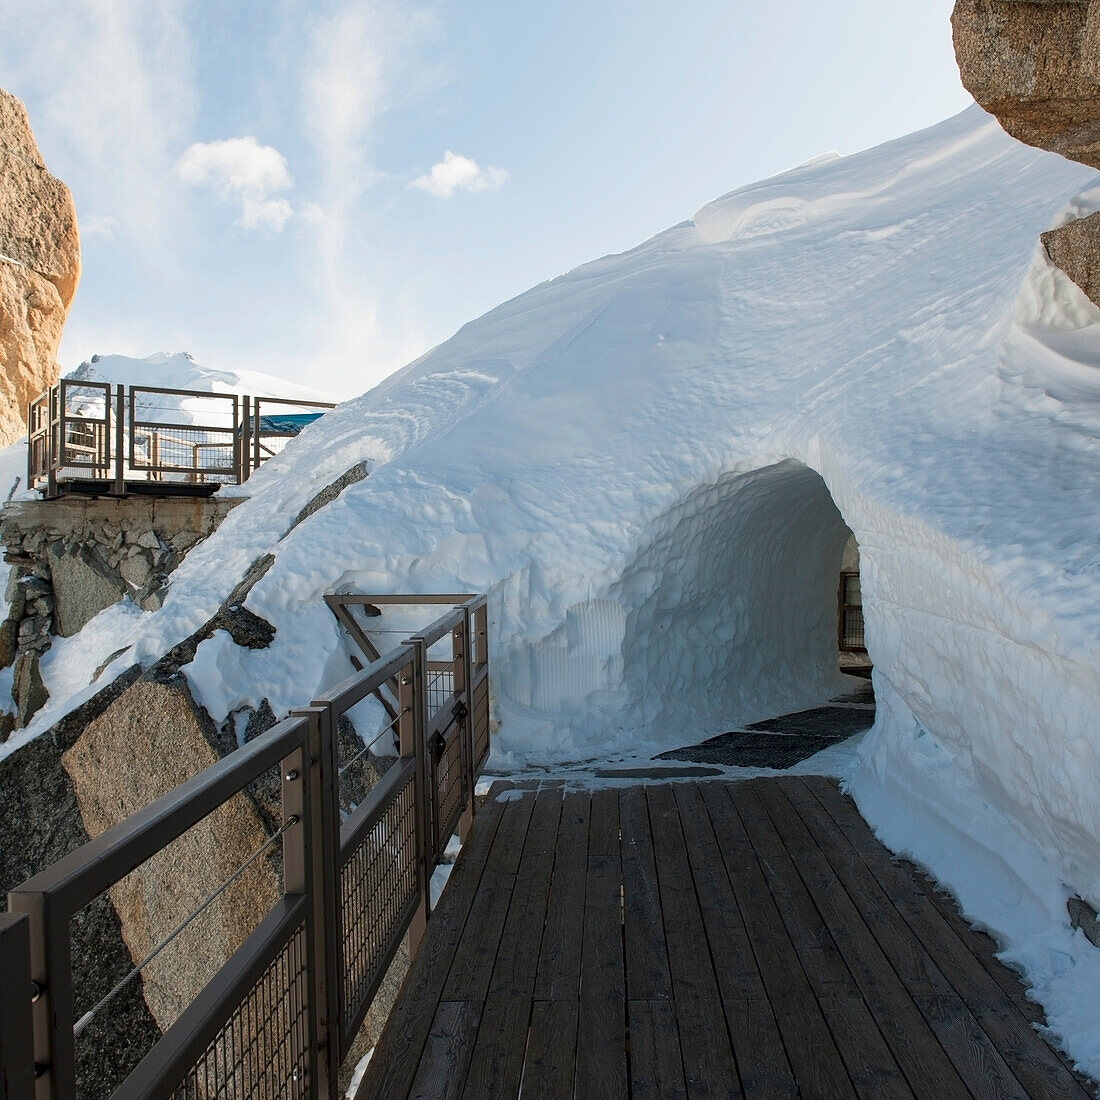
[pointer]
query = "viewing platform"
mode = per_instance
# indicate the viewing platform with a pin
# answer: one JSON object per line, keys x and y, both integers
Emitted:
{"x": 97, "y": 439}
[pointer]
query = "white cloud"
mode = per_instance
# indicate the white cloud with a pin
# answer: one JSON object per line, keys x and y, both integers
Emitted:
{"x": 457, "y": 173}
{"x": 101, "y": 226}
{"x": 270, "y": 214}
{"x": 241, "y": 170}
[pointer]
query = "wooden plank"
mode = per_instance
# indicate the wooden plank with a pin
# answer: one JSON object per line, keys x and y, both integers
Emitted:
{"x": 914, "y": 1046}
{"x": 551, "y": 1051}
{"x": 472, "y": 968}
{"x": 647, "y": 974}
{"x": 497, "y": 1060}
{"x": 656, "y": 1068}
{"x": 709, "y": 1068}
{"x": 441, "y": 1074}
{"x": 816, "y": 1063}
{"x": 1025, "y": 1064}
{"x": 757, "y": 1044}
{"x": 496, "y": 1066}
{"x": 397, "y": 1055}
{"x": 871, "y": 1066}
{"x": 559, "y": 973}
{"x": 601, "y": 1039}
{"x": 518, "y": 952}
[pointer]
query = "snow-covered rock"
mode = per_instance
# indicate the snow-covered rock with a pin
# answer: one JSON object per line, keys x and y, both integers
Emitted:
{"x": 652, "y": 464}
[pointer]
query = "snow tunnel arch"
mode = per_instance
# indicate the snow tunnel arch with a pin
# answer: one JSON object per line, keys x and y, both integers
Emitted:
{"x": 733, "y": 604}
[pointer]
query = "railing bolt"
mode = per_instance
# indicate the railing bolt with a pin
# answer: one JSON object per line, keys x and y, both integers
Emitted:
{"x": 405, "y": 681}
{"x": 36, "y": 991}
{"x": 291, "y": 776}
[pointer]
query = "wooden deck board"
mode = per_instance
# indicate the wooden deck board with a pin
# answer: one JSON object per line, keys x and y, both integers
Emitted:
{"x": 702, "y": 939}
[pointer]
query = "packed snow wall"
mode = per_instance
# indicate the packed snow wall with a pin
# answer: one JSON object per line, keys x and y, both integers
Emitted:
{"x": 652, "y": 465}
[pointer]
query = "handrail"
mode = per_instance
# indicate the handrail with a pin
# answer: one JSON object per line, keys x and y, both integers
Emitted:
{"x": 83, "y": 874}
{"x": 351, "y": 890}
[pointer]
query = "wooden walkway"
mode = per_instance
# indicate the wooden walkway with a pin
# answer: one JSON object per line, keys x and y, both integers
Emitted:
{"x": 702, "y": 940}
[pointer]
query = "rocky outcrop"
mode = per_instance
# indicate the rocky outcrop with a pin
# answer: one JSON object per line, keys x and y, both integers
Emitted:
{"x": 1036, "y": 67}
{"x": 112, "y": 772}
{"x": 39, "y": 268}
{"x": 1075, "y": 248}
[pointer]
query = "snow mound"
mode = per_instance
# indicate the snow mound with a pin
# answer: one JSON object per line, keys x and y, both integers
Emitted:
{"x": 652, "y": 464}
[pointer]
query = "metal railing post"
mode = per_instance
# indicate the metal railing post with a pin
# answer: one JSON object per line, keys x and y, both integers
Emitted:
{"x": 236, "y": 439}
{"x": 120, "y": 436}
{"x": 305, "y": 863}
{"x": 323, "y": 840}
{"x": 416, "y": 698}
{"x": 51, "y": 442}
{"x": 52, "y": 1012}
{"x": 256, "y": 437}
{"x": 16, "y": 1061}
{"x": 244, "y": 440}
{"x": 463, "y": 678}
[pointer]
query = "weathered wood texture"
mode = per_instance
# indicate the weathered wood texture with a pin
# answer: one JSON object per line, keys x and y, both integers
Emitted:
{"x": 702, "y": 940}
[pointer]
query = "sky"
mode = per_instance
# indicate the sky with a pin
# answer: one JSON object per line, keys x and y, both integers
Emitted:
{"x": 325, "y": 190}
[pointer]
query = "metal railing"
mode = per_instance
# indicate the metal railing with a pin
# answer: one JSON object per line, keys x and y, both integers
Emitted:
{"x": 850, "y": 635}
{"x": 279, "y": 1017}
{"x": 121, "y": 436}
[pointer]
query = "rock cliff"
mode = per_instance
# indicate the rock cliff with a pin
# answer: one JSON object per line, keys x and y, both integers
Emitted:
{"x": 1036, "y": 67}
{"x": 39, "y": 268}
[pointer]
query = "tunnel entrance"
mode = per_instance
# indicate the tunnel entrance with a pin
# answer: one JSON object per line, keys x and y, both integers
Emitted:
{"x": 736, "y": 616}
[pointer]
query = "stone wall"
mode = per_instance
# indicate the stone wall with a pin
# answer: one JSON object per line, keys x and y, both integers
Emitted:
{"x": 72, "y": 558}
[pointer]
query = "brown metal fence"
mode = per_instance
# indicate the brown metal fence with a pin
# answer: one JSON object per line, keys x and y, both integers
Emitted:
{"x": 117, "y": 438}
{"x": 850, "y": 627}
{"x": 280, "y": 1015}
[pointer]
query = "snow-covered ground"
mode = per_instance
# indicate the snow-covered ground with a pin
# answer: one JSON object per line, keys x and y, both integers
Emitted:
{"x": 652, "y": 464}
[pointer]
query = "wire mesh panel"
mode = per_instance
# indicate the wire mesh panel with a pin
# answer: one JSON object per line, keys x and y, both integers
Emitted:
{"x": 378, "y": 889}
{"x": 441, "y": 686}
{"x": 84, "y": 429}
{"x": 447, "y": 775}
{"x": 851, "y": 614}
{"x": 38, "y": 438}
{"x": 184, "y": 435}
{"x": 262, "y": 1051}
{"x": 480, "y": 718}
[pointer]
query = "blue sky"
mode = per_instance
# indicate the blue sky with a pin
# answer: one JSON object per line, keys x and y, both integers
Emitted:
{"x": 325, "y": 190}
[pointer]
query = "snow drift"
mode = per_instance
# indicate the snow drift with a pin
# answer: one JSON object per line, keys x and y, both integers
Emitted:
{"x": 652, "y": 464}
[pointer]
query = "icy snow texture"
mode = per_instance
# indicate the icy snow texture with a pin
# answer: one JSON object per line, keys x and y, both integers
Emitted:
{"x": 651, "y": 465}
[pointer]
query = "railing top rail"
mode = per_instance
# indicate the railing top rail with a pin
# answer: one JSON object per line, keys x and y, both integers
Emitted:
{"x": 165, "y": 428}
{"x": 442, "y": 626}
{"x": 185, "y": 393}
{"x": 410, "y": 600}
{"x": 89, "y": 870}
{"x": 358, "y": 686}
{"x": 292, "y": 401}
{"x": 82, "y": 384}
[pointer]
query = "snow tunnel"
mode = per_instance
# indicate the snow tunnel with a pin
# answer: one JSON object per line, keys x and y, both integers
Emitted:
{"x": 734, "y": 603}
